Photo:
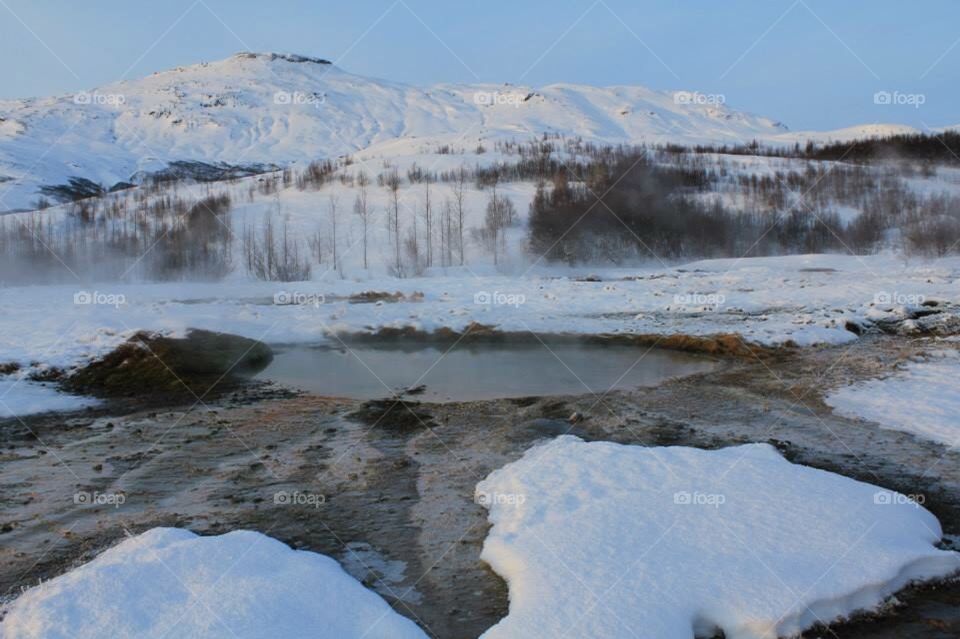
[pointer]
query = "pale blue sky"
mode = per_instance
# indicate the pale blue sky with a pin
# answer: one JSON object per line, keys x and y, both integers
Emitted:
{"x": 809, "y": 63}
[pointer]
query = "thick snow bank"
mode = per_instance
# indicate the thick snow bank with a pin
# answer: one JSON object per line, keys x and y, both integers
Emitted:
{"x": 604, "y": 540}
{"x": 172, "y": 583}
{"x": 923, "y": 399}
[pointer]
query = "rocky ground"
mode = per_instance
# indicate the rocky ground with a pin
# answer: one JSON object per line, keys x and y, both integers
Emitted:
{"x": 389, "y": 489}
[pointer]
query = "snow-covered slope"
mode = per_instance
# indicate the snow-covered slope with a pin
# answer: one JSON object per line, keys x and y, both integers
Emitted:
{"x": 276, "y": 109}
{"x": 849, "y": 133}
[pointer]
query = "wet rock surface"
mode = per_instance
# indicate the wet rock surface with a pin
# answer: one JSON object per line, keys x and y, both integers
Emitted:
{"x": 388, "y": 487}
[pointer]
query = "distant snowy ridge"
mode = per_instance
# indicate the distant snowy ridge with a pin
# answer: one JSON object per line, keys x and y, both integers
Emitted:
{"x": 273, "y": 108}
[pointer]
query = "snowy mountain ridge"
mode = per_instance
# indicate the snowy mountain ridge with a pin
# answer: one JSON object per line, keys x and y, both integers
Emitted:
{"x": 276, "y": 109}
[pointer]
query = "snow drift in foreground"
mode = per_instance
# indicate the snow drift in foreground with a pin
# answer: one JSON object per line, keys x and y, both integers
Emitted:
{"x": 605, "y": 540}
{"x": 172, "y": 583}
{"x": 923, "y": 399}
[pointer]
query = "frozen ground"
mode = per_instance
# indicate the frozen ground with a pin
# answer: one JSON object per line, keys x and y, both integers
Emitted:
{"x": 170, "y": 582}
{"x": 606, "y": 540}
{"x": 923, "y": 399}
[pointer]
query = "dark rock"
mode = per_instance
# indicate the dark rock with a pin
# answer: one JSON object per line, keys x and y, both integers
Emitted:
{"x": 150, "y": 364}
{"x": 9, "y": 368}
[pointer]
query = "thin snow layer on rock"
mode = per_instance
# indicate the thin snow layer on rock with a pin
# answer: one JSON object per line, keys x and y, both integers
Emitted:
{"x": 172, "y": 583}
{"x": 604, "y": 540}
{"x": 20, "y": 397}
{"x": 923, "y": 399}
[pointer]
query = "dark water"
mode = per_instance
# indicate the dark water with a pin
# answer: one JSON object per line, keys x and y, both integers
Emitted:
{"x": 477, "y": 371}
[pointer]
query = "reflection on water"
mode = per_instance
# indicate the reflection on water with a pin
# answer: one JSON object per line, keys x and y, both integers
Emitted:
{"x": 477, "y": 371}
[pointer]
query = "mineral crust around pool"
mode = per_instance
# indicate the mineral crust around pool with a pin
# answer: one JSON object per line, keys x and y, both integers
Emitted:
{"x": 605, "y": 540}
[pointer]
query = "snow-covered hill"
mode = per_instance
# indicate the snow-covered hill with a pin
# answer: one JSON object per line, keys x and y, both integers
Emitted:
{"x": 277, "y": 109}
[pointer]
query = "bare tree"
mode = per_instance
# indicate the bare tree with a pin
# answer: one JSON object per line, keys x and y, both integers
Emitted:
{"x": 392, "y": 183}
{"x": 459, "y": 197}
{"x": 446, "y": 233}
{"x": 428, "y": 215}
{"x": 501, "y": 213}
{"x": 361, "y": 209}
{"x": 334, "y": 201}
{"x": 273, "y": 258}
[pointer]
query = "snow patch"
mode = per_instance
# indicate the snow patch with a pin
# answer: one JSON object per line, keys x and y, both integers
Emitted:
{"x": 617, "y": 541}
{"x": 922, "y": 399}
{"x": 171, "y": 582}
{"x": 22, "y": 397}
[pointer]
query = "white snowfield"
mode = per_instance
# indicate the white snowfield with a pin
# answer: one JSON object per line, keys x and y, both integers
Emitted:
{"x": 168, "y": 582}
{"x": 279, "y": 109}
{"x": 606, "y": 541}
{"x": 923, "y": 399}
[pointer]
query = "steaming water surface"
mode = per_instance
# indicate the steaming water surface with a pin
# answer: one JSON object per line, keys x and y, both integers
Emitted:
{"x": 477, "y": 371}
